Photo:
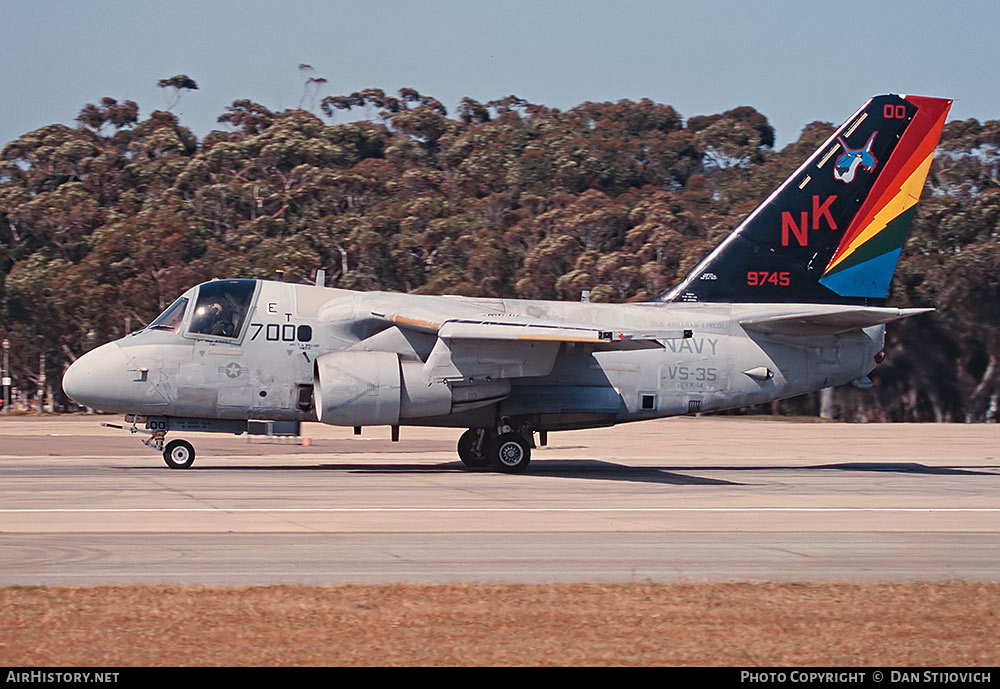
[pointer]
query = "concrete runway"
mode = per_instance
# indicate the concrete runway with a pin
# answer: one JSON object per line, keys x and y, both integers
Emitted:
{"x": 688, "y": 499}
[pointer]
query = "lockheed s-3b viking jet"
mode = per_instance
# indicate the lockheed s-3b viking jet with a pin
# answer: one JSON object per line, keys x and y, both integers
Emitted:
{"x": 790, "y": 302}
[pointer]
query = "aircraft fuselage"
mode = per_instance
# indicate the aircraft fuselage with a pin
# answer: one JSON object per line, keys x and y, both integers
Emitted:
{"x": 269, "y": 369}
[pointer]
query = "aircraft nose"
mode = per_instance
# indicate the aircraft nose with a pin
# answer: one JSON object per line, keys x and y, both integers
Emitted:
{"x": 91, "y": 380}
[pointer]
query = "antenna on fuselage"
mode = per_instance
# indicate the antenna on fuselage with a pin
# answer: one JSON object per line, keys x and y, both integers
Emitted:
{"x": 320, "y": 277}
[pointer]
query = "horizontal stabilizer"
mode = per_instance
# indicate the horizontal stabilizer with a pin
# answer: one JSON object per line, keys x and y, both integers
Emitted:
{"x": 829, "y": 320}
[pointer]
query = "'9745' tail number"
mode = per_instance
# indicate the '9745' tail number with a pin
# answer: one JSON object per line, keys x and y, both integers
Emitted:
{"x": 762, "y": 278}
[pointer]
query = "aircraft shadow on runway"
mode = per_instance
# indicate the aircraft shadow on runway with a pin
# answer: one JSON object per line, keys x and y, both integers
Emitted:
{"x": 588, "y": 469}
{"x": 906, "y": 468}
{"x": 609, "y": 471}
{"x": 901, "y": 467}
{"x": 578, "y": 469}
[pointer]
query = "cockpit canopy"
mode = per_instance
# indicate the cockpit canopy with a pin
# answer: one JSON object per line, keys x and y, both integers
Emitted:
{"x": 171, "y": 318}
{"x": 220, "y": 309}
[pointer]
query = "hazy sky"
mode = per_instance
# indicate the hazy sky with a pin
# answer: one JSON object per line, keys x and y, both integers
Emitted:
{"x": 794, "y": 61}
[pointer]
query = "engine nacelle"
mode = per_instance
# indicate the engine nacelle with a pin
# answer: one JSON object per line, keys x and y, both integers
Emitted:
{"x": 357, "y": 388}
{"x": 375, "y": 389}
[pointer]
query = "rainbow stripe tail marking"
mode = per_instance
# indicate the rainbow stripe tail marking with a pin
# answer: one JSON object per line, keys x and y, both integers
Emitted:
{"x": 865, "y": 259}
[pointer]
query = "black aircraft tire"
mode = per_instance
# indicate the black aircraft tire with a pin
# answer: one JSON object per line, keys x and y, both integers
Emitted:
{"x": 179, "y": 454}
{"x": 510, "y": 453}
{"x": 467, "y": 450}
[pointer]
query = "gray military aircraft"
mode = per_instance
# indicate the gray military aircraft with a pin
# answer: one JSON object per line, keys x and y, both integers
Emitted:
{"x": 791, "y": 301}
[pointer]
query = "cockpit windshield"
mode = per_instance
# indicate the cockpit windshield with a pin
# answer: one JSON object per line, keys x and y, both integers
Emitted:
{"x": 222, "y": 307}
{"x": 172, "y": 317}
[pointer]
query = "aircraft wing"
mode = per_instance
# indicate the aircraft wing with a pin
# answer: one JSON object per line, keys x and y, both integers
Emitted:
{"x": 499, "y": 346}
{"x": 525, "y": 329}
{"x": 829, "y": 320}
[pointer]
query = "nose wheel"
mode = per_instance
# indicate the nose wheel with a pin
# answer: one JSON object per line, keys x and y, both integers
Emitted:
{"x": 178, "y": 454}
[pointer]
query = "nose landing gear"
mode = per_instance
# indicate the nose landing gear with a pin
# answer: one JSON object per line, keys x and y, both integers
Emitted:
{"x": 178, "y": 454}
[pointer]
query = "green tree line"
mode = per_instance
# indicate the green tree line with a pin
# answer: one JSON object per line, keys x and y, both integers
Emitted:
{"x": 103, "y": 224}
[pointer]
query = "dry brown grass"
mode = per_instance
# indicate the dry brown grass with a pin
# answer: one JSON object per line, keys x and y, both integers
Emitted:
{"x": 584, "y": 624}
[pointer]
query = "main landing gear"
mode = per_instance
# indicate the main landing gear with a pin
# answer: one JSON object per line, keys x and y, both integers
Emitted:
{"x": 508, "y": 451}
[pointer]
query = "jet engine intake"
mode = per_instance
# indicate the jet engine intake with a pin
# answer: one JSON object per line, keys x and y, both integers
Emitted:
{"x": 357, "y": 388}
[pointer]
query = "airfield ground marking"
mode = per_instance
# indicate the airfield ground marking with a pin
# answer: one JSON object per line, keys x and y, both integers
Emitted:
{"x": 264, "y": 510}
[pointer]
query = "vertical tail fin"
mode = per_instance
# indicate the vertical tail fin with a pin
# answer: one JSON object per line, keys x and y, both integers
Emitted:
{"x": 833, "y": 231}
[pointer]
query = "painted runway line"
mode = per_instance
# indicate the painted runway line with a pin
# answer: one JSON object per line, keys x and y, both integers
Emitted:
{"x": 513, "y": 510}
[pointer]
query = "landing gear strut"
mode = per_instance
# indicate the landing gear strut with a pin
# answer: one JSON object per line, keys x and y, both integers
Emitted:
{"x": 473, "y": 448}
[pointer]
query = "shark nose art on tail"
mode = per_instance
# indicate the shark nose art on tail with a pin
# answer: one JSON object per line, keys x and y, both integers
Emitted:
{"x": 852, "y": 158}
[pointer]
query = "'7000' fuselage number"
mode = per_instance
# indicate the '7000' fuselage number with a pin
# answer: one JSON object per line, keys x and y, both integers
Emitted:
{"x": 281, "y": 332}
